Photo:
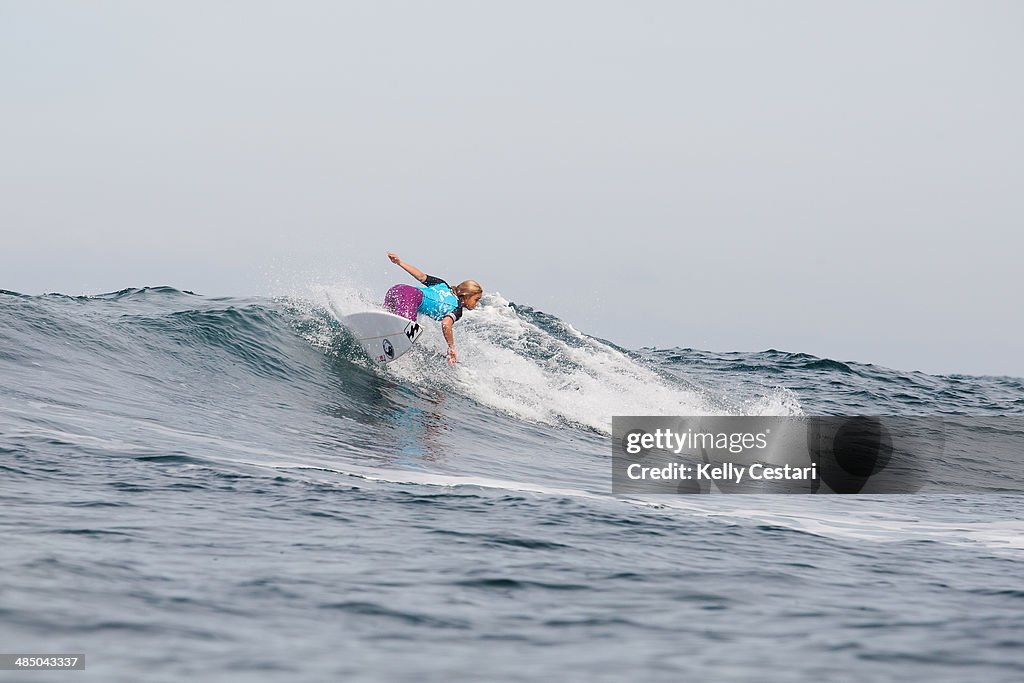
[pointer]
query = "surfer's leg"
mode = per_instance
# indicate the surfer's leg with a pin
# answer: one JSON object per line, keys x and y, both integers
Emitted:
{"x": 403, "y": 300}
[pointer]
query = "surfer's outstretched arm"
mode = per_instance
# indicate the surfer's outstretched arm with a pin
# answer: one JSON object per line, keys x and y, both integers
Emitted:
{"x": 411, "y": 269}
{"x": 446, "y": 330}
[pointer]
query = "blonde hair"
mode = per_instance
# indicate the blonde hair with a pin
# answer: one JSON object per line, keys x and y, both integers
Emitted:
{"x": 467, "y": 288}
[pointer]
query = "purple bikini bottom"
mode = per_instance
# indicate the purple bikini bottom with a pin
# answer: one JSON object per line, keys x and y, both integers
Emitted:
{"x": 403, "y": 300}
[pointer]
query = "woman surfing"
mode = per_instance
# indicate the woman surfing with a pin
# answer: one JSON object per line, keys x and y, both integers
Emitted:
{"x": 435, "y": 298}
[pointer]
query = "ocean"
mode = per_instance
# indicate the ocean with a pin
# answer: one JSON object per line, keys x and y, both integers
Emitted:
{"x": 228, "y": 489}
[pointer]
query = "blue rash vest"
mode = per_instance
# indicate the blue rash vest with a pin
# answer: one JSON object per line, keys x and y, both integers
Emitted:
{"x": 439, "y": 300}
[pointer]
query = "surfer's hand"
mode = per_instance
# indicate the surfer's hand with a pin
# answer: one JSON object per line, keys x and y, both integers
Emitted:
{"x": 452, "y": 358}
{"x": 394, "y": 258}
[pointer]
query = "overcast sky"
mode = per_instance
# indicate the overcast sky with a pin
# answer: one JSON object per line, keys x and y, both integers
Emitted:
{"x": 844, "y": 179}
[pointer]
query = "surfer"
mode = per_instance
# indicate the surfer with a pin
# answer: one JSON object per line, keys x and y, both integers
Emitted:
{"x": 436, "y": 299}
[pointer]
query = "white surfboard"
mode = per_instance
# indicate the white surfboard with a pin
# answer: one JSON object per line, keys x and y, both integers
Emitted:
{"x": 384, "y": 336}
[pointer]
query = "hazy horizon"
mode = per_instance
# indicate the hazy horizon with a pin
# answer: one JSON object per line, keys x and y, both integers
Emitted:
{"x": 843, "y": 181}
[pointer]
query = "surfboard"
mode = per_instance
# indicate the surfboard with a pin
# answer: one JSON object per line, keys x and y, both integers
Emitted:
{"x": 384, "y": 336}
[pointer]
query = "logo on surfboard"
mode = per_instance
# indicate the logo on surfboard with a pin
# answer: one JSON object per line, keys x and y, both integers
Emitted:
{"x": 389, "y": 349}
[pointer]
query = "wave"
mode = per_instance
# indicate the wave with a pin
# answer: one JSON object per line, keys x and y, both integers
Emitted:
{"x": 539, "y": 368}
{"x": 514, "y": 359}
{"x": 216, "y": 388}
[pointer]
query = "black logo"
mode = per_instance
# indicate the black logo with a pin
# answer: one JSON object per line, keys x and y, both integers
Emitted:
{"x": 389, "y": 349}
{"x": 412, "y": 330}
